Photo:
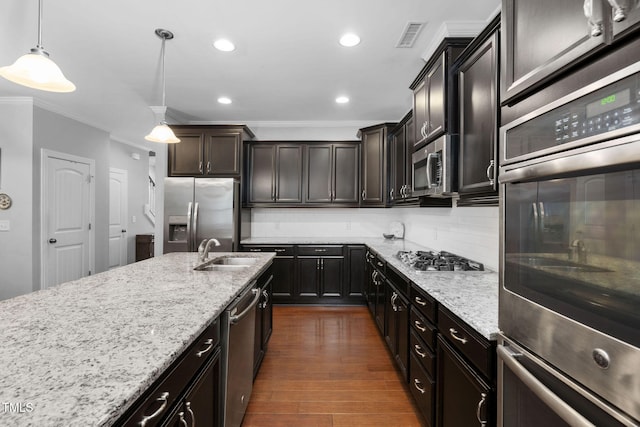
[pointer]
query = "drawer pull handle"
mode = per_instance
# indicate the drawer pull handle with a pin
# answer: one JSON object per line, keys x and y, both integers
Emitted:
{"x": 380, "y": 264}
{"x": 255, "y": 250}
{"x": 321, "y": 250}
{"x": 420, "y": 301}
{"x": 419, "y": 326}
{"x": 417, "y": 384}
{"x": 164, "y": 398}
{"x": 209, "y": 344}
{"x": 419, "y": 351}
{"x": 279, "y": 250}
{"x": 483, "y": 399}
{"x": 453, "y": 333}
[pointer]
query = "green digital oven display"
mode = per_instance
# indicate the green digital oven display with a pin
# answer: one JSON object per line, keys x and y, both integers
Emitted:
{"x": 608, "y": 103}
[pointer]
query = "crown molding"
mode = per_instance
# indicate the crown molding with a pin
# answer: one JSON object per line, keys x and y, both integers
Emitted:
{"x": 295, "y": 123}
{"x": 19, "y": 100}
{"x": 452, "y": 29}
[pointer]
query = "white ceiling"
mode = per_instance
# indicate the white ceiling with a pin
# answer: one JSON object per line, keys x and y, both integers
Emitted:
{"x": 288, "y": 66}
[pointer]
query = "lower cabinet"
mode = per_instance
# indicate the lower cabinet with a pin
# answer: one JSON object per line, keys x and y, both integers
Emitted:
{"x": 189, "y": 389}
{"x": 320, "y": 273}
{"x": 264, "y": 319}
{"x": 201, "y": 405}
{"x": 397, "y": 326}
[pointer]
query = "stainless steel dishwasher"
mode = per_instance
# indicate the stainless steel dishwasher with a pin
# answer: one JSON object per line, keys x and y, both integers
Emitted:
{"x": 239, "y": 337}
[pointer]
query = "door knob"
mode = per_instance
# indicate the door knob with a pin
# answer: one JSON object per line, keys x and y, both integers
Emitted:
{"x": 124, "y": 231}
{"x": 53, "y": 241}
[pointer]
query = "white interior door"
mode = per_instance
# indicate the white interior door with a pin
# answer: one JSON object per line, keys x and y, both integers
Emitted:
{"x": 117, "y": 217}
{"x": 67, "y": 215}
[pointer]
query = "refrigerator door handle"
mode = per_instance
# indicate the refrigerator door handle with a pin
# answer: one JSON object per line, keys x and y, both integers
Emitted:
{"x": 189, "y": 239}
{"x": 194, "y": 236}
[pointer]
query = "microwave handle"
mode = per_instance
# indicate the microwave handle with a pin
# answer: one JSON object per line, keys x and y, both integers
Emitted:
{"x": 541, "y": 212}
{"x": 429, "y": 163}
{"x": 536, "y": 220}
{"x": 562, "y": 409}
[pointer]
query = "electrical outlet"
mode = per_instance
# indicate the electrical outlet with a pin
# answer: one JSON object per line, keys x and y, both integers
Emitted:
{"x": 5, "y": 225}
{"x": 133, "y": 219}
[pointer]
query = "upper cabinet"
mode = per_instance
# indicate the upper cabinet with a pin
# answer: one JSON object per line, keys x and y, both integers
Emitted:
{"x": 274, "y": 173}
{"x": 541, "y": 39}
{"x": 400, "y": 152}
{"x": 374, "y": 165}
{"x": 305, "y": 173}
{"x": 207, "y": 150}
{"x": 477, "y": 70}
{"x": 434, "y": 92}
{"x": 332, "y": 173}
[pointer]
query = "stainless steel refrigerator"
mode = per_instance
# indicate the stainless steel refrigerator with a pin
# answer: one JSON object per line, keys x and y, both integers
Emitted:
{"x": 201, "y": 208}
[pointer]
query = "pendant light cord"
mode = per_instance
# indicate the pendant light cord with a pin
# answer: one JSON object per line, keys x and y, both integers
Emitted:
{"x": 39, "y": 45}
{"x": 164, "y": 39}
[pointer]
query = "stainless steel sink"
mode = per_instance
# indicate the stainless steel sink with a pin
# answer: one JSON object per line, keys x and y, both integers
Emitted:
{"x": 226, "y": 263}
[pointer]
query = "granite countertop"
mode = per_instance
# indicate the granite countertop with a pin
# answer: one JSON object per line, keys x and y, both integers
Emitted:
{"x": 81, "y": 353}
{"x": 470, "y": 295}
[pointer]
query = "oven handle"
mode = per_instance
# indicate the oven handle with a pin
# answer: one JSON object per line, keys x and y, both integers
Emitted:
{"x": 566, "y": 412}
{"x": 626, "y": 151}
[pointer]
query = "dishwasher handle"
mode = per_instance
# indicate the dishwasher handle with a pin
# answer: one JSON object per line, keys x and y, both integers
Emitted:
{"x": 233, "y": 319}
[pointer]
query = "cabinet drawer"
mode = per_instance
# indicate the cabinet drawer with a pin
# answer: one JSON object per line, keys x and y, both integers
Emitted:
{"x": 478, "y": 351}
{"x": 320, "y": 250}
{"x": 423, "y": 354}
{"x": 284, "y": 250}
{"x": 399, "y": 281}
{"x": 425, "y": 304}
{"x": 422, "y": 389}
{"x": 159, "y": 401}
{"x": 423, "y": 328}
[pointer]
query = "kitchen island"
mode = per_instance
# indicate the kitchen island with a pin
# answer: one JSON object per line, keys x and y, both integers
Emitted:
{"x": 82, "y": 353}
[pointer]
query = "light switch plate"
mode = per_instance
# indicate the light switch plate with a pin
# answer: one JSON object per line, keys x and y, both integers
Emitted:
{"x": 5, "y": 225}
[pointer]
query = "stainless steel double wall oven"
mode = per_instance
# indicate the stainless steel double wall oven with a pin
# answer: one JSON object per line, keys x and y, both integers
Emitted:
{"x": 570, "y": 259}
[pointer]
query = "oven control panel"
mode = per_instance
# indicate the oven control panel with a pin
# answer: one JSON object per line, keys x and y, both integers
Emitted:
{"x": 609, "y": 109}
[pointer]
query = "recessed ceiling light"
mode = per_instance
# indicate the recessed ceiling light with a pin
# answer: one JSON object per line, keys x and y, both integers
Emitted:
{"x": 342, "y": 100}
{"x": 224, "y": 100}
{"x": 349, "y": 40}
{"x": 224, "y": 45}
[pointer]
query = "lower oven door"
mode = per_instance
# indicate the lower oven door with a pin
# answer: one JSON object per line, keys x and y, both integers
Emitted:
{"x": 532, "y": 393}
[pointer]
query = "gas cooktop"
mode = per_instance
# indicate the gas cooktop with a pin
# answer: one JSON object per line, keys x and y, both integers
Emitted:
{"x": 437, "y": 261}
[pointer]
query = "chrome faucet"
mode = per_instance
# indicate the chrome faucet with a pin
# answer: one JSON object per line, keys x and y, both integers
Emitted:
{"x": 203, "y": 249}
{"x": 578, "y": 248}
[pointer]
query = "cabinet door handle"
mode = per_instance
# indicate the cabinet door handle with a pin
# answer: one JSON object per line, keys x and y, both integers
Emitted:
{"x": 393, "y": 301}
{"x": 419, "y": 326}
{"x": 417, "y": 384}
{"x": 164, "y": 398}
{"x": 208, "y": 167}
{"x": 483, "y": 399}
{"x": 265, "y": 294}
{"x": 419, "y": 351}
{"x": 182, "y": 420}
{"x": 364, "y": 195}
{"x": 593, "y": 12}
{"x": 209, "y": 344}
{"x": 200, "y": 167}
{"x": 193, "y": 416}
{"x": 391, "y": 194}
{"x": 380, "y": 264}
{"x": 453, "y": 333}
{"x": 420, "y": 301}
{"x": 620, "y": 8}
{"x": 492, "y": 164}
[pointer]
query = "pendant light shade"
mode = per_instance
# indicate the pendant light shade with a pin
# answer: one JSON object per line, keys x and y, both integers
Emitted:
{"x": 162, "y": 132}
{"x": 36, "y": 70}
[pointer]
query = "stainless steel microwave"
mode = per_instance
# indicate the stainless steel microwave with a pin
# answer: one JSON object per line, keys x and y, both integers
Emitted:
{"x": 433, "y": 168}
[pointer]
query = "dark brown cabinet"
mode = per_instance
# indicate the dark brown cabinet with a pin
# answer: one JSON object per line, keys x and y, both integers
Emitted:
{"x": 207, "y": 150}
{"x": 283, "y": 270}
{"x": 397, "y": 323}
{"x": 274, "y": 173}
{"x": 466, "y": 374}
{"x": 401, "y": 143}
{"x": 374, "y": 165}
{"x": 264, "y": 318}
{"x": 625, "y": 16}
{"x": 320, "y": 272}
{"x": 355, "y": 281}
{"x": 434, "y": 92}
{"x": 144, "y": 246}
{"x": 332, "y": 173}
{"x": 541, "y": 39}
{"x": 478, "y": 88}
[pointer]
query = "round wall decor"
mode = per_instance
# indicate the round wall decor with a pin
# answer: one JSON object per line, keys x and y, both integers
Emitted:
{"x": 5, "y": 201}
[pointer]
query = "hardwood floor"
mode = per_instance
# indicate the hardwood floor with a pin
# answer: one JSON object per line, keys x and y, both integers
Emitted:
{"x": 328, "y": 366}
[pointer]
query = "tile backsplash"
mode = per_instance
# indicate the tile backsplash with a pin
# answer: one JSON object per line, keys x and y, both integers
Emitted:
{"x": 469, "y": 231}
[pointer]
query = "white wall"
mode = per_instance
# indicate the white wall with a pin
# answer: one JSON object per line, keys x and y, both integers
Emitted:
{"x": 16, "y": 245}
{"x": 138, "y": 175}
{"x": 468, "y": 231}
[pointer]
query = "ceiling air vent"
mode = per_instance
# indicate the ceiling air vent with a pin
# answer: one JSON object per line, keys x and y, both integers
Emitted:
{"x": 410, "y": 34}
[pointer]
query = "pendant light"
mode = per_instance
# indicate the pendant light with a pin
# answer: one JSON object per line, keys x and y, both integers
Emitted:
{"x": 36, "y": 70}
{"x": 162, "y": 132}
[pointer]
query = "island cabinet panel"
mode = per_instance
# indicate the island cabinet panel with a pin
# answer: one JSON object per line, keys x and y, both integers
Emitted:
{"x": 264, "y": 318}
{"x": 283, "y": 270}
{"x": 193, "y": 379}
{"x": 210, "y": 151}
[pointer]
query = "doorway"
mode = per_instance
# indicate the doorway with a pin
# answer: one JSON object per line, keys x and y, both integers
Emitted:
{"x": 118, "y": 214}
{"x": 67, "y": 215}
